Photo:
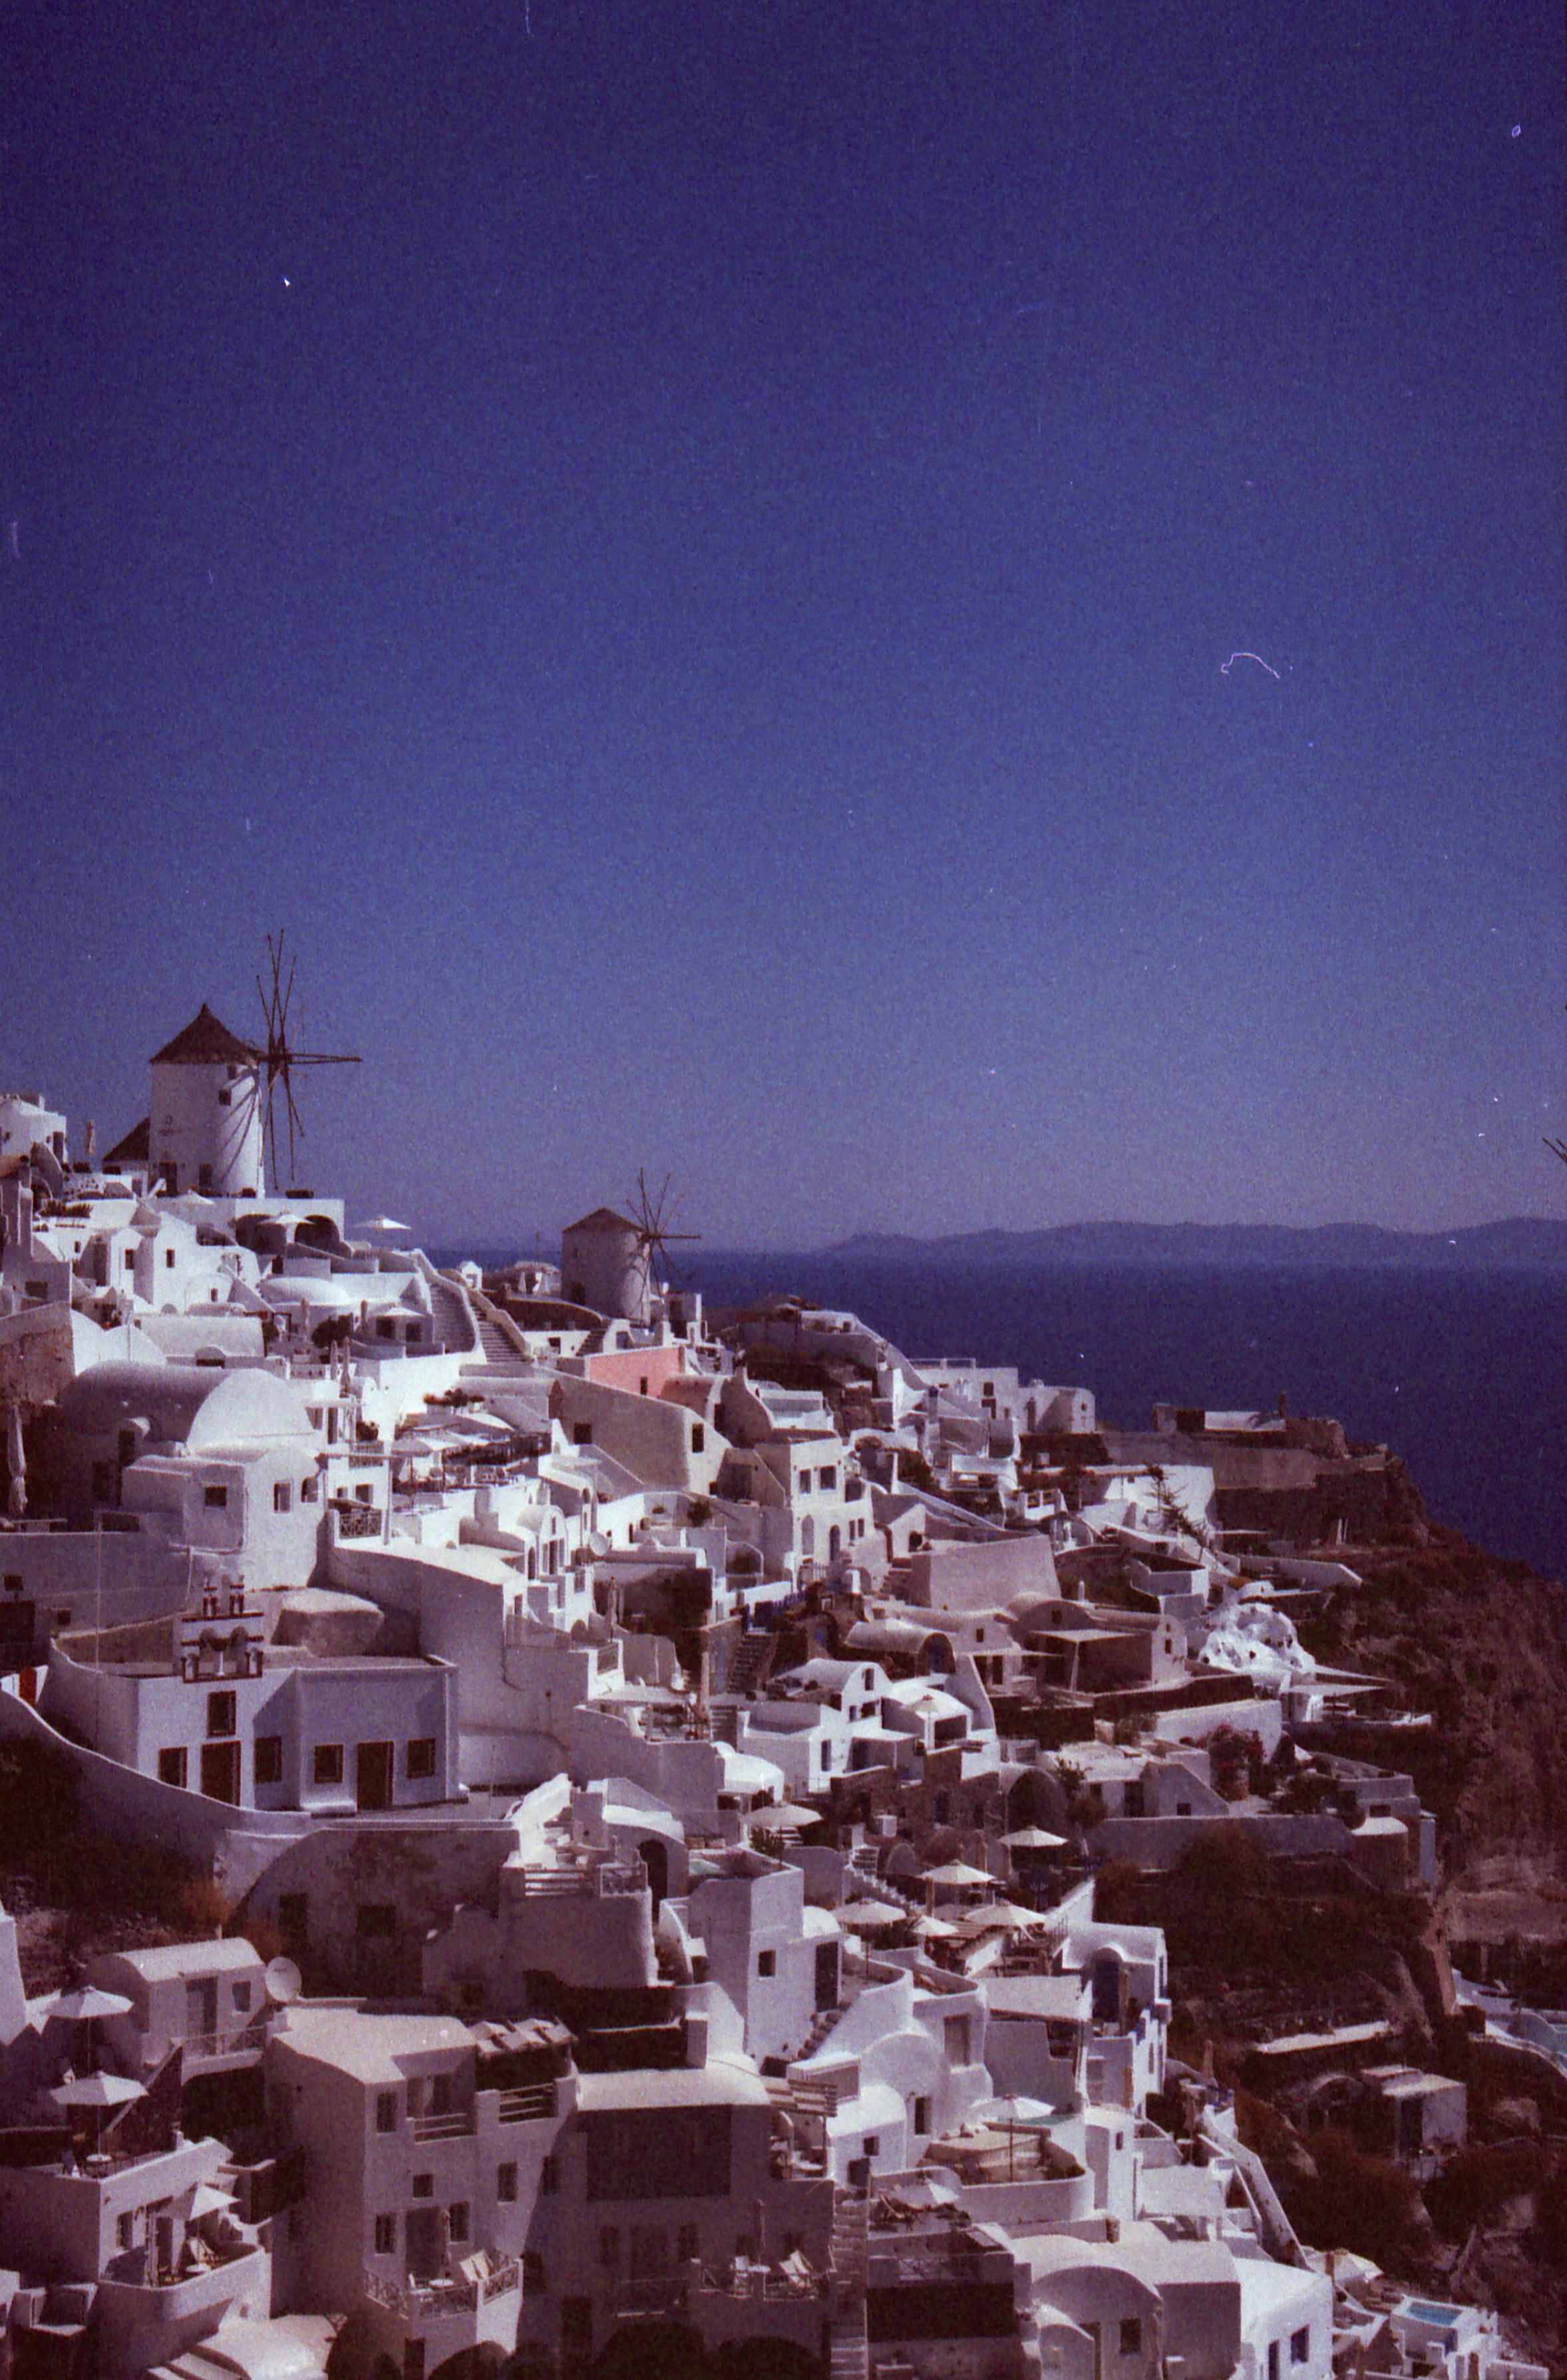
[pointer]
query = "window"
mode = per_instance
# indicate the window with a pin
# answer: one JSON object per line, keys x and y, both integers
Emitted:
{"x": 129, "y": 1260}
{"x": 830, "y": 1476}
{"x": 954, "y": 2033}
{"x": 282, "y": 1496}
{"x": 376, "y": 1921}
{"x": 921, "y": 2116}
{"x": 13, "y": 1581}
{"x": 422, "y": 1755}
{"x": 456, "y": 2222}
{"x": 362, "y": 1494}
{"x": 168, "y": 1259}
{"x": 1300, "y": 2345}
{"x": 439, "y": 2095}
{"x": 124, "y": 2229}
{"x": 242, "y": 1997}
{"x": 871, "y": 2144}
{"x": 386, "y": 2235}
{"x": 609, "y": 2247}
{"x": 767, "y": 1963}
{"x": 309, "y": 1489}
{"x": 326, "y": 1765}
{"x": 269, "y": 1760}
{"x": 687, "y": 2244}
{"x": 386, "y": 2111}
{"x": 550, "y": 2178}
{"x": 699, "y": 1438}
{"x": 214, "y": 1499}
{"x": 582, "y": 1433}
{"x": 171, "y": 1765}
{"x": 220, "y": 1713}
{"x": 1272, "y": 2359}
{"x": 423, "y": 2185}
{"x": 505, "y": 2185}
{"x": 1131, "y": 2334}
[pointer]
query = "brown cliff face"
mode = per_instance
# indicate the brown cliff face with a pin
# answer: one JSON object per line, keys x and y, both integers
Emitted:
{"x": 1481, "y": 1644}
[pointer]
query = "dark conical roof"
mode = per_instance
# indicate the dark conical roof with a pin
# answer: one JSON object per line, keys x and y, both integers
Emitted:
{"x": 206, "y": 1041}
{"x": 603, "y": 1219}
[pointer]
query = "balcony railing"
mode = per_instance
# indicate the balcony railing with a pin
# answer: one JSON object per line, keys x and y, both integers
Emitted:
{"x": 451, "y": 2293}
{"x": 527, "y": 2104}
{"x": 456, "y": 2124}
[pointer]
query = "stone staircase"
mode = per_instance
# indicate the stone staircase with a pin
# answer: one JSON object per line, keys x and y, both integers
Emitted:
{"x": 848, "y": 2345}
{"x": 752, "y": 1662}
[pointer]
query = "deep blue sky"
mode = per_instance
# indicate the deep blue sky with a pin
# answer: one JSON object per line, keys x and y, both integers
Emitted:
{"x": 686, "y": 553}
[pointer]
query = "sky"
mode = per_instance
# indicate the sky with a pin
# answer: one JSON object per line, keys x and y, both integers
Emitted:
{"x": 919, "y": 614}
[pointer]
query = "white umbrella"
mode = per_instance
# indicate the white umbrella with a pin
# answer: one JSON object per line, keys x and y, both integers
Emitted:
{"x": 83, "y": 2002}
{"x": 999, "y": 1913}
{"x": 867, "y": 1914}
{"x": 1034, "y": 1838}
{"x": 382, "y": 1223}
{"x": 97, "y": 2091}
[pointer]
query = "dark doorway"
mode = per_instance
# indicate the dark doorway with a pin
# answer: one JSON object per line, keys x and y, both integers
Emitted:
{"x": 426, "y": 2244}
{"x": 654, "y": 1857}
{"x": 373, "y": 1777}
{"x": 220, "y": 1772}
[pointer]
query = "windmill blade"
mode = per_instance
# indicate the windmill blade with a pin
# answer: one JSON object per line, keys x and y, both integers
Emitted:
{"x": 280, "y": 1057}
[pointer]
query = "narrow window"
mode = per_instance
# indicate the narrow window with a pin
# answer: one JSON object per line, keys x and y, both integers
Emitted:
{"x": 550, "y": 2178}
{"x": 1300, "y": 2346}
{"x": 386, "y": 2235}
{"x": 282, "y": 1496}
{"x": 456, "y": 2222}
{"x": 326, "y": 1767}
{"x": 505, "y": 2185}
{"x": 171, "y": 1765}
{"x": 269, "y": 1760}
{"x": 220, "y": 1713}
{"x": 422, "y": 1755}
{"x": 767, "y": 1963}
{"x": 1131, "y": 2334}
{"x": 386, "y": 2111}
{"x": 687, "y": 2244}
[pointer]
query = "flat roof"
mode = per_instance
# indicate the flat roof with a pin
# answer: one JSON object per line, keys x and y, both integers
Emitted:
{"x": 716, "y": 2084}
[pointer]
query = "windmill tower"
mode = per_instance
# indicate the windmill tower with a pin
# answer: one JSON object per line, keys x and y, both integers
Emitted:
{"x": 607, "y": 1258}
{"x": 204, "y": 1126}
{"x": 213, "y": 1124}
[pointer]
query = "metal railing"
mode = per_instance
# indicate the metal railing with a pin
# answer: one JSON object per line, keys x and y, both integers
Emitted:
{"x": 451, "y": 2293}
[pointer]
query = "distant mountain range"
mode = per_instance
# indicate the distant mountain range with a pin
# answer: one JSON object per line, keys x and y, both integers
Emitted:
{"x": 1523, "y": 1242}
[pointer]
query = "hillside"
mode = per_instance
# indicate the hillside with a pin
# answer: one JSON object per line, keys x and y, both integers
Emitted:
{"x": 1526, "y": 1242}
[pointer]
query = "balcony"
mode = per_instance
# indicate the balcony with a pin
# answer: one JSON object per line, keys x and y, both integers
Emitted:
{"x": 526, "y": 2105}
{"x": 456, "y": 2124}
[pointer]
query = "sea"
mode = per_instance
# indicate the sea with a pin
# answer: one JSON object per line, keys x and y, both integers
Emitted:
{"x": 1463, "y": 1373}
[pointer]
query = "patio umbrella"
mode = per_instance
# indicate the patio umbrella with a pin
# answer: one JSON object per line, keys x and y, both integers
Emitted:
{"x": 382, "y": 1224}
{"x": 1012, "y": 2114}
{"x": 97, "y": 2091}
{"x": 999, "y": 1913}
{"x": 954, "y": 1877}
{"x": 1034, "y": 1838}
{"x": 83, "y": 2002}
{"x": 866, "y": 1915}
